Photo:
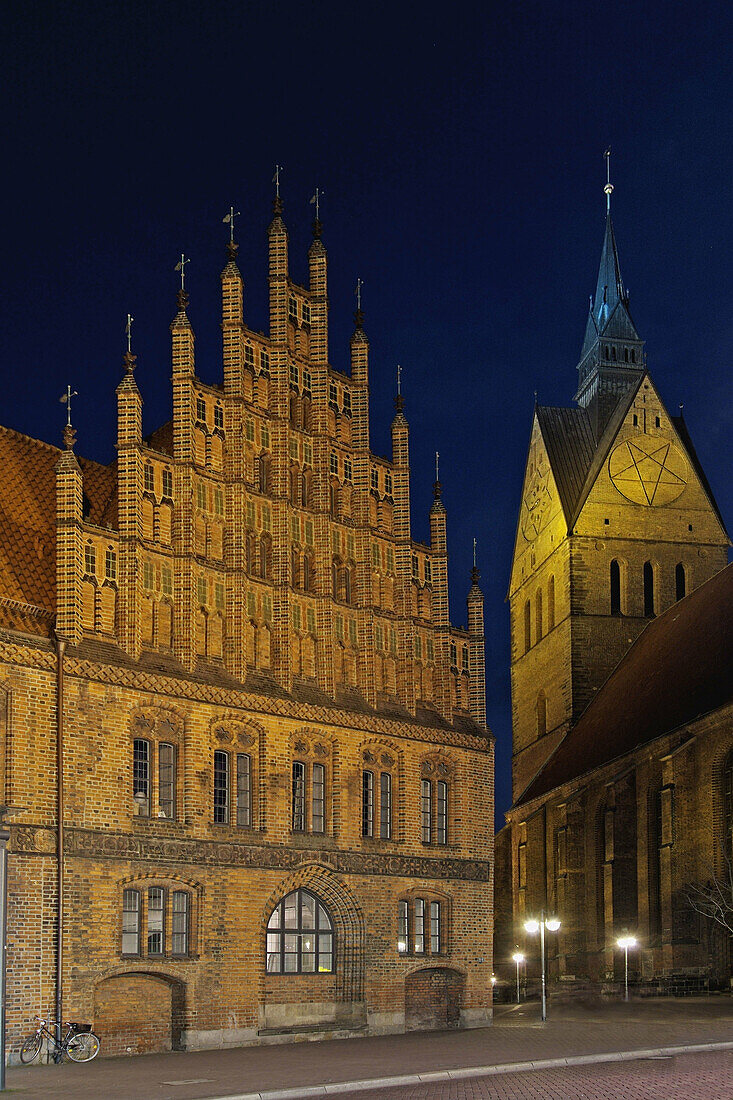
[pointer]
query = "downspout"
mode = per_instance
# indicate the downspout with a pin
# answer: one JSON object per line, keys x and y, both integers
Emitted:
{"x": 60, "y": 650}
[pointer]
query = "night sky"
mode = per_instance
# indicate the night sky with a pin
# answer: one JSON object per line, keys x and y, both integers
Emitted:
{"x": 460, "y": 149}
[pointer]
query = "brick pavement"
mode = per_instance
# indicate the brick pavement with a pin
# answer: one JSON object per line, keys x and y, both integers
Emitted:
{"x": 517, "y": 1036}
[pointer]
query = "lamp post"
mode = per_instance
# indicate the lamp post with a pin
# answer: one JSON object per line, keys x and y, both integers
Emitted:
{"x": 626, "y": 942}
{"x": 533, "y": 927}
{"x": 518, "y": 958}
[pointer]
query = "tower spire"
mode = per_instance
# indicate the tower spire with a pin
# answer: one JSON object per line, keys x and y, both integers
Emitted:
{"x": 609, "y": 186}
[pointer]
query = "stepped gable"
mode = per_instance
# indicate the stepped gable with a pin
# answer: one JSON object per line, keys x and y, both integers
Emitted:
{"x": 28, "y": 515}
{"x": 679, "y": 669}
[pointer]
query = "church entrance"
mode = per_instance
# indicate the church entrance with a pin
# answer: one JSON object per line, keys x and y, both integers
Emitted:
{"x": 433, "y": 999}
{"x": 138, "y": 1013}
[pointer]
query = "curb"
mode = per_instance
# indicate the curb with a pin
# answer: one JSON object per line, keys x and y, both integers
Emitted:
{"x": 435, "y": 1076}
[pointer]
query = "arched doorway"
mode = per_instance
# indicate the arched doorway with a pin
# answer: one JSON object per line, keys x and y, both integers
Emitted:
{"x": 433, "y": 999}
{"x": 139, "y": 1013}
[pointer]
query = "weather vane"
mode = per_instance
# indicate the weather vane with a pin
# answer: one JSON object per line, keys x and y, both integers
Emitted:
{"x": 228, "y": 219}
{"x": 65, "y": 399}
{"x": 474, "y": 553}
{"x": 437, "y": 460}
{"x": 609, "y": 186}
{"x": 276, "y": 179}
{"x": 399, "y": 380}
{"x": 128, "y": 333}
{"x": 181, "y": 266}
{"x": 359, "y": 285}
{"x": 316, "y": 200}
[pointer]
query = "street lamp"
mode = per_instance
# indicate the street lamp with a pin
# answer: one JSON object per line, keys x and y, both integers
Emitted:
{"x": 626, "y": 942}
{"x": 518, "y": 958}
{"x": 533, "y": 927}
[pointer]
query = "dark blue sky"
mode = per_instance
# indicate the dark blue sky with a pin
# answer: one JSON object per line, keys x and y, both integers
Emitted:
{"x": 460, "y": 151}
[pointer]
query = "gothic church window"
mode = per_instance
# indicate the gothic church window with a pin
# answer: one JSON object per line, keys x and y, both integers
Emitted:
{"x": 680, "y": 581}
{"x": 300, "y": 936}
{"x": 615, "y": 588}
{"x": 551, "y": 604}
{"x": 538, "y": 614}
{"x": 649, "y": 610}
{"x": 527, "y": 627}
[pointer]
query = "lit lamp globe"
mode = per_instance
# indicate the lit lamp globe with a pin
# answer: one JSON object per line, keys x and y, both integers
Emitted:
{"x": 552, "y": 924}
{"x": 518, "y": 957}
{"x": 625, "y": 942}
{"x": 532, "y": 926}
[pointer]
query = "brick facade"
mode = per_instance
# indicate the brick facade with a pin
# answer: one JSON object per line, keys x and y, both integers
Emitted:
{"x": 251, "y": 633}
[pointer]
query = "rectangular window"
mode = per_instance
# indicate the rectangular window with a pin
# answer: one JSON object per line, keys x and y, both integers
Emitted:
{"x": 266, "y": 518}
{"x": 180, "y": 922}
{"x": 298, "y": 796}
{"x": 166, "y": 780}
{"x": 156, "y": 916}
{"x": 310, "y": 618}
{"x": 148, "y": 477}
{"x": 306, "y": 313}
{"x": 110, "y": 565}
{"x": 264, "y": 360}
{"x": 166, "y": 581}
{"x": 428, "y": 572}
{"x": 390, "y": 559}
{"x": 201, "y": 591}
{"x": 367, "y": 803}
{"x": 309, "y": 532}
{"x": 221, "y": 788}
{"x": 307, "y": 384}
{"x": 244, "y": 789}
{"x": 250, "y": 514}
{"x": 352, "y": 631}
{"x": 296, "y": 616}
{"x": 141, "y": 776}
{"x": 453, "y": 655}
{"x": 441, "y": 818}
{"x": 267, "y": 608}
{"x": 218, "y": 416}
{"x": 339, "y": 628}
{"x": 219, "y": 501}
{"x": 249, "y": 429}
{"x": 403, "y": 942}
{"x": 415, "y": 567}
{"x": 264, "y": 435}
{"x": 249, "y": 355}
{"x": 334, "y": 464}
{"x": 385, "y": 806}
{"x": 131, "y": 922}
{"x": 333, "y": 396}
{"x": 418, "y": 934}
{"x": 148, "y": 576}
{"x": 318, "y": 785}
{"x": 435, "y": 943}
{"x": 392, "y": 640}
{"x": 464, "y": 658}
{"x": 294, "y": 375}
{"x": 348, "y": 470}
{"x": 167, "y": 483}
{"x": 90, "y": 559}
{"x": 308, "y": 454}
{"x": 426, "y": 815}
{"x": 418, "y": 647}
{"x": 379, "y": 637}
{"x": 292, "y": 309}
{"x": 375, "y": 479}
{"x": 219, "y": 596}
{"x": 201, "y": 497}
{"x": 347, "y": 402}
{"x": 429, "y": 648}
{"x": 388, "y": 484}
{"x": 200, "y": 409}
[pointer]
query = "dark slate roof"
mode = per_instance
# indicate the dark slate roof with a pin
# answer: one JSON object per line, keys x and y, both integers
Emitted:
{"x": 684, "y": 435}
{"x": 568, "y": 437}
{"x": 679, "y": 669}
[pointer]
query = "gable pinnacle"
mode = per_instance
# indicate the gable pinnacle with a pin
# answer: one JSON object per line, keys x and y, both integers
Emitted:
{"x": 358, "y": 315}
{"x": 232, "y": 248}
{"x": 129, "y": 359}
{"x": 182, "y": 296}
{"x": 69, "y": 433}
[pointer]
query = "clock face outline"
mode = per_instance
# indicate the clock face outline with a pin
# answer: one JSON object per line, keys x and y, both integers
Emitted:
{"x": 536, "y": 504}
{"x": 648, "y": 471}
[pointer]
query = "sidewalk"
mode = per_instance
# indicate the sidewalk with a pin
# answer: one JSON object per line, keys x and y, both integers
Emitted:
{"x": 518, "y": 1036}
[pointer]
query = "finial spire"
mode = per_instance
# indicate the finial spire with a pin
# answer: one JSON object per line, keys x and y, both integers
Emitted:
{"x": 475, "y": 575}
{"x": 129, "y": 358}
{"x": 399, "y": 380}
{"x": 276, "y": 179}
{"x": 358, "y": 316}
{"x": 437, "y": 487}
{"x": 609, "y": 186}
{"x": 474, "y": 553}
{"x": 69, "y": 433}
{"x": 228, "y": 219}
{"x": 316, "y": 201}
{"x": 182, "y": 295}
{"x": 437, "y": 467}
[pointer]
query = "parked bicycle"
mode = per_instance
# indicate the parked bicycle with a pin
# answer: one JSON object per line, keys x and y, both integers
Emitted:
{"x": 79, "y": 1042}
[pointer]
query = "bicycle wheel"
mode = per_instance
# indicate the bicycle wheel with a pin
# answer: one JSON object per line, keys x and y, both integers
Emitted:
{"x": 83, "y": 1047}
{"x": 31, "y": 1048}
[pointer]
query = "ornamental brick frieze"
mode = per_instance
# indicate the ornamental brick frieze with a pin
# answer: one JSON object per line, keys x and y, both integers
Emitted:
{"x": 179, "y": 689}
{"x": 29, "y": 840}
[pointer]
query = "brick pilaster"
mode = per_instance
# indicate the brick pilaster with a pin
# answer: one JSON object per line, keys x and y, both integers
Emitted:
{"x": 69, "y": 543}
{"x": 129, "y": 473}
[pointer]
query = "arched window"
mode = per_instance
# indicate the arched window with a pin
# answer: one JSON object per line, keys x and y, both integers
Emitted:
{"x": 541, "y": 714}
{"x": 615, "y": 588}
{"x": 648, "y": 590}
{"x": 633, "y": 356}
{"x": 551, "y": 603}
{"x": 300, "y": 936}
{"x": 538, "y": 613}
{"x": 680, "y": 581}
{"x": 527, "y": 626}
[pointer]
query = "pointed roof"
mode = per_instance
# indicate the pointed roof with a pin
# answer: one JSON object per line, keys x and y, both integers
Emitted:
{"x": 609, "y": 313}
{"x": 678, "y": 669}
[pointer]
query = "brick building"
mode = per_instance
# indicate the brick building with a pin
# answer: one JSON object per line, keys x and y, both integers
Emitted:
{"x": 621, "y": 677}
{"x": 244, "y": 749}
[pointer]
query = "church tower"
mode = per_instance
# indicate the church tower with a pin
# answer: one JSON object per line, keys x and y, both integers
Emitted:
{"x": 617, "y": 522}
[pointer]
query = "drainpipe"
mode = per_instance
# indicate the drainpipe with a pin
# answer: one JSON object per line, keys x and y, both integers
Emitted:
{"x": 60, "y": 650}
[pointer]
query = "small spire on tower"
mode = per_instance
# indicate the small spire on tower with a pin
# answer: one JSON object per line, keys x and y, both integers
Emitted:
{"x": 399, "y": 401}
{"x": 316, "y": 201}
{"x": 437, "y": 487}
{"x": 69, "y": 433}
{"x": 277, "y": 205}
{"x": 129, "y": 359}
{"x": 182, "y": 296}
{"x": 609, "y": 186}
{"x": 358, "y": 316}
{"x": 475, "y": 575}
{"x": 228, "y": 219}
